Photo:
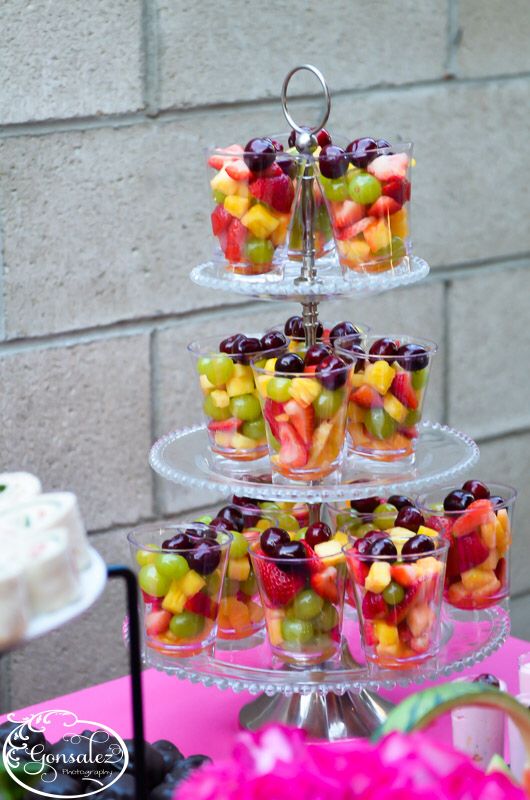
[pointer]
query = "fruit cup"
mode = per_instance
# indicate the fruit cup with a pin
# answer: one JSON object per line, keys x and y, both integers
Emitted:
{"x": 477, "y": 522}
{"x": 397, "y": 578}
{"x": 388, "y": 385}
{"x": 367, "y": 189}
{"x": 180, "y": 574}
{"x": 234, "y": 421}
{"x": 302, "y": 594}
{"x": 326, "y": 332}
{"x": 253, "y": 193}
{"x": 304, "y": 405}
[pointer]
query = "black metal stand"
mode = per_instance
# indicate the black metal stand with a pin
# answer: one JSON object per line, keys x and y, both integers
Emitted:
{"x": 135, "y": 663}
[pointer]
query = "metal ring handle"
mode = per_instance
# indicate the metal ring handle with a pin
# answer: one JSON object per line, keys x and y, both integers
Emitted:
{"x": 290, "y": 120}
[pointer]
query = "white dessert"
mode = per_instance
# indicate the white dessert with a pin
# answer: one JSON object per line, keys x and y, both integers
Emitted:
{"x": 50, "y": 570}
{"x": 49, "y": 512}
{"x": 17, "y": 487}
{"x": 14, "y": 601}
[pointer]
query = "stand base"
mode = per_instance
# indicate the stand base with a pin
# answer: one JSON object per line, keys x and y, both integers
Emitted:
{"x": 328, "y": 716}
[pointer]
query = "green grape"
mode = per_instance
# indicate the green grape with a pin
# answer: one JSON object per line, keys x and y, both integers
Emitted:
{"x": 327, "y": 619}
{"x": 334, "y": 189}
{"x": 396, "y": 249}
{"x": 420, "y": 378}
{"x": 364, "y": 529}
{"x": 307, "y": 604}
{"x": 260, "y": 251}
{"x": 328, "y": 403}
{"x": 297, "y": 631}
{"x": 322, "y": 221}
{"x": 413, "y": 417}
{"x": 278, "y": 389}
{"x": 238, "y": 546}
{"x": 249, "y": 587}
{"x": 144, "y": 557}
{"x": 172, "y": 565}
{"x": 202, "y": 364}
{"x": 379, "y": 424}
{"x": 436, "y": 507}
{"x": 246, "y": 407}
{"x": 186, "y": 625}
{"x": 296, "y": 536}
{"x": 213, "y": 584}
{"x": 213, "y": 411}
{"x": 384, "y": 516}
{"x": 152, "y": 582}
{"x": 218, "y": 196}
{"x": 260, "y": 363}
{"x": 205, "y": 519}
{"x": 273, "y": 442}
{"x": 393, "y": 594}
{"x": 219, "y": 370}
{"x": 288, "y": 522}
{"x": 364, "y": 188}
{"x": 254, "y": 430}
{"x": 230, "y": 587}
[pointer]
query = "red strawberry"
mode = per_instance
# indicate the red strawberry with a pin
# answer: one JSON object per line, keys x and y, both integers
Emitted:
{"x": 271, "y": 172}
{"x": 221, "y": 219}
{"x": 398, "y": 188}
{"x": 374, "y": 606}
{"x": 402, "y": 390}
{"x": 479, "y": 512}
{"x": 470, "y": 551}
{"x": 324, "y": 583}
{"x": 280, "y": 587}
{"x": 397, "y": 613}
{"x": 383, "y": 207}
{"x": 293, "y": 452}
{"x": 301, "y": 513}
{"x": 302, "y": 420}
{"x": 237, "y": 233}
{"x": 370, "y": 636}
{"x": 404, "y": 574}
{"x": 359, "y": 569}
{"x": 410, "y": 432}
{"x": 438, "y": 523}
{"x": 201, "y": 604}
{"x": 347, "y": 213}
{"x": 157, "y": 622}
{"x": 367, "y": 397}
{"x": 151, "y": 600}
{"x": 405, "y": 635}
{"x": 232, "y": 424}
{"x": 238, "y": 170}
{"x": 358, "y": 227}
{"x": 277, "y": 192}
{"x": 385, "y": 167}
{"x": 314, "y": 562}
{"x": 217, "y": 160}
{"x": 272, "y": 410}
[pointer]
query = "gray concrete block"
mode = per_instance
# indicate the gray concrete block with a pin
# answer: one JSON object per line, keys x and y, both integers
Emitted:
{"x": 70, "y": 59}
{"x": 489, "y": 345}
{"x": 79, "y": 417}
{"x": 520, "y": 613}
{"x": 230, "y": 51}
{"x": 494, "y": 37}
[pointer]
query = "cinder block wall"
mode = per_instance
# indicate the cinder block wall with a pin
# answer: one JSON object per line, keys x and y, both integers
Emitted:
{"x": 104, "y": 110}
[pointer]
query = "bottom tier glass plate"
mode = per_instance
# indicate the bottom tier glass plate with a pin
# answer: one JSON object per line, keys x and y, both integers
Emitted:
{"x": 255, "y": 670}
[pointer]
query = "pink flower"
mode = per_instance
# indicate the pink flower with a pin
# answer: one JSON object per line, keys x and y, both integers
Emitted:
{"x": 277, "y": 764}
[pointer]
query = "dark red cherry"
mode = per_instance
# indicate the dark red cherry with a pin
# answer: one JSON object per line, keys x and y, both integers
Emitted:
{"x": 418, "y": 546}
{"x": 332, "y": 372}
{"x": 399, "y": 501}
{"x": 345, "y": 329}
{"x": 362, "y": 151}
{"x": 410, "y": 518}
{"x": 278, "y": 146}
{"x": 366, "y": 505}
{"x": 333, "y": 162}
{"x": 458, "y": 500}
{"x": 318, "y": 532}
{"x": 221, "y": 524}
{"x": 323, "y": 138}
{"x": 290, "y": 363}
{"x": 316, "y": 353}
{"x": 259, "y": 154}
{"x": 241, "y": 500}
{"x": 228, "y": 344}
{"x": 180, "y": 541}
{"x": 382, "y": 546}
{"x": 201, "y": 533}
{"x": 272, "y": 539}
{"x": 287, "y": 164}
{"x": 205, "y": 558}
{"x": 382, "y": 143}
{"x": 245, "y": 347}
{"x": 233, "y": 516}
{"x": 294, "y": 328}
{"x": 273, "y": 340}
{"x": 478, "y": 489}
{"x": 295, "y": 552}
{"x": 413, "y": 357}
{"x": 383, "y": 349}
{"x": 489, "y": 679}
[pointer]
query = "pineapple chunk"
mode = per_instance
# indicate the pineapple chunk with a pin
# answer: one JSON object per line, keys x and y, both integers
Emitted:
{"x": 330, "y": 552}
{"x": 379, "y": 375}
{"x": 175, "y": 599}
{"x": 387, "y": 634}
{"x": 192, "y": 583}
{"x": 222, "y": 182}
{"x": 241, "y": 442}
{"x": 423, "y": 529}
{"x": 429, "y": 566}
{"x": 341, "y": 538}
{"x": 394, "y": 408}
{"x": 236, "y": 206}
{"x": 224, "y": 438}
{"x": 398, "y": 223}
{"x": 270, "y": 364}
{"x": 260, "y": 221}
{"x": 220, "y": 398}
{"x": 206, "y": 386}
{"x": 242, "y": 371}
{"x": 305, "y": 390}
{"x": 378, "y": 577}
{"x": 239, "y": 569}
{"x": 356, "y": 379}
{"x": 237, "y": 386}
{"x": 262, "y": 382}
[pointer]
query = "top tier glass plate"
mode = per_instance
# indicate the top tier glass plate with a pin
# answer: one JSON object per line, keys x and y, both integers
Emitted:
{"x": 331, "y": 282}
{"x": 442, "y": 454}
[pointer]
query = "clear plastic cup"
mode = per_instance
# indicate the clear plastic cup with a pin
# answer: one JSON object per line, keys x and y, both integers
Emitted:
{"x": 399, "y": 600}
{"x": 253, "y": 201}
{"x": 387, "y": 394}
{"x": 180, "y": 571}
{"x": 231, "y": 408}
{"x": 368, "y": 199}
{"x": 480, "y": 538}
{"x": 305, "y": 419}
{"x": 303, "y": 600}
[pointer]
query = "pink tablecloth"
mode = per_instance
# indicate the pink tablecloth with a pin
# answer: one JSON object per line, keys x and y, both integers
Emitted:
{"x": 205, "y": 720}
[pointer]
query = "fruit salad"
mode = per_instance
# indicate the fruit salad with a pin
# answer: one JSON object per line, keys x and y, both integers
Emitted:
{"x": 302, "y": 591}
{"x": 398, "y": 578}
{"x": 356, "y": 518}
{"x": 388, "y": 385}
{"x": 477, "y": 522}
{"x": 180, "y": 573}
{"x": 367, "y": 189}
{"x": 234, "y": 420}
{"x": 253, "y": 192}
{"x": 327, "y": 333}
{"x": 304, "y": 402}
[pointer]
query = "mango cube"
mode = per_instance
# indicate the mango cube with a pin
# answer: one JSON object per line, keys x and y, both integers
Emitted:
{"x": 261, "y": 383}
{"x": 502, "y": 532}
{"x": 192, "y": 583}
{"x": 379, "y": 375}
{"x": 236, "y": 206}
{"x": 270, "y": 364}
{"x": 341, "y": 538}
{"x": 378, "y": 577}
{"x": 260, "y": 221}
{"x": 394, "y": 408}
{"x": 242, "y": 371}
{"x": 488, "y": 532}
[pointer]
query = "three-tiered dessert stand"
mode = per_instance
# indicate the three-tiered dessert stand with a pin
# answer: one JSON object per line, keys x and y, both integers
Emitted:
{"x": 339, "y": 700}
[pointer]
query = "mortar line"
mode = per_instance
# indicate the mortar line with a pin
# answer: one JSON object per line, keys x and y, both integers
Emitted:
{"x": 488, "y": 438}
{"x": 151, "y": 73}
{"x": 175, "y": 114}
{"x": 454, "y": 35}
